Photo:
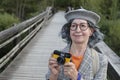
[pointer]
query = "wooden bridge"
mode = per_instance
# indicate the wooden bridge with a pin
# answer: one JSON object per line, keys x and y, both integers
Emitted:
{"x": 26, "y": 47}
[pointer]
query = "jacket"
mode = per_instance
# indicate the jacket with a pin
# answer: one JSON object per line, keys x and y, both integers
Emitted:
{"x": 85, "y": 68}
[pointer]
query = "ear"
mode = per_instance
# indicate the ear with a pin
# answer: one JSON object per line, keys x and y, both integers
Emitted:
{"x": 91, "y": 31}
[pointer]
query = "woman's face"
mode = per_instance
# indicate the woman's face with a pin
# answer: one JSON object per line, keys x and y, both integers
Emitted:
{"x": 80, "y": 31}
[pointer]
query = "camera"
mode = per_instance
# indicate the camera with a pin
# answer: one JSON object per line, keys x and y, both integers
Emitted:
{"x": 61, "y": 57}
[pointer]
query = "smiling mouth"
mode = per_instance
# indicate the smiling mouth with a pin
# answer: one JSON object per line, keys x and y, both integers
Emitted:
{"x": 77, "y": 35}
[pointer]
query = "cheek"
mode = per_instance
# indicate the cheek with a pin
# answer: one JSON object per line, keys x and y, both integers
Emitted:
{"x": 71, "y": 34}
{"x": 88, "y": 32}
{"x": 91, "y": 31}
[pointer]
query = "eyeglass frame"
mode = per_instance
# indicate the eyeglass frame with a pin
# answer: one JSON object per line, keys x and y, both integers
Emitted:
{"x": 80, "y": 26}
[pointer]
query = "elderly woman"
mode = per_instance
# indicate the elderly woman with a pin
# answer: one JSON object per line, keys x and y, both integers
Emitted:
{"x": 81, "y": 34}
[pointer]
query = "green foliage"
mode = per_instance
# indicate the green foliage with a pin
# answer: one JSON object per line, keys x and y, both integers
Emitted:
{"x": 61, "y": 3}
{"x": 114, "y": 9}
{"x": 6, "y": 21}
{"x": 111, "y": 30}
{"x": 23, "y": 8}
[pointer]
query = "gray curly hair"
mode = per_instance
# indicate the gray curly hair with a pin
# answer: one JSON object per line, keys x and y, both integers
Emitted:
{"x": 96, "y": 37}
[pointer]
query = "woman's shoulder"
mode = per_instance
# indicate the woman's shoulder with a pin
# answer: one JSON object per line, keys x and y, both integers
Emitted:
{"x": 102, "y": 58}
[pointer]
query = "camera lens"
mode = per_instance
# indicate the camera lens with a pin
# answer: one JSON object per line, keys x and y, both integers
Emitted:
{"x": 60, "y": 60}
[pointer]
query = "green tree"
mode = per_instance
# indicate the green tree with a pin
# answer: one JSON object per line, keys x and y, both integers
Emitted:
{"x": 105, "y": 7}
{"x": 22, "y": 8}
{"x": 114, "y": 10}
{"x": 7, "y": 20}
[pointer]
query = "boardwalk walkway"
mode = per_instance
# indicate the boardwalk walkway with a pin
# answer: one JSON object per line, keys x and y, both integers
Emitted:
{"x": 31, "y": 63}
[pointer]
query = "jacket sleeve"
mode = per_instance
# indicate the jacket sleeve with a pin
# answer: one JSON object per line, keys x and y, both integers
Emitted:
{"x": 47, "y": 75}
{"x": 102, "y": 72}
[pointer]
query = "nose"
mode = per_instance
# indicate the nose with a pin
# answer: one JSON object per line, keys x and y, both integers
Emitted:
{"x": 78, "y": 29}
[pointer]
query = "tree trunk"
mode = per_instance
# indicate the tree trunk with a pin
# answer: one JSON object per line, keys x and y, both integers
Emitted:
{"x": 20, "y": 6}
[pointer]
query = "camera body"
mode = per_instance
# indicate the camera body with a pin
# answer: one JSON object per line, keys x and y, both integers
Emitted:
{"x": 61, "y": 57}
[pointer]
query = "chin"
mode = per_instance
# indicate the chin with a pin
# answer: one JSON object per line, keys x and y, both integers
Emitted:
{"x": 78, "y": 42}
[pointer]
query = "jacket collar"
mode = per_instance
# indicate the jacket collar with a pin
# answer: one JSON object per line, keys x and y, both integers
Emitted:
{"x": 87, "y": 62}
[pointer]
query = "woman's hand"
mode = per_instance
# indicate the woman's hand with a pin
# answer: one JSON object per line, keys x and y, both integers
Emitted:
{"x": 70, "y": 71}
{"x": 54, "y": 68}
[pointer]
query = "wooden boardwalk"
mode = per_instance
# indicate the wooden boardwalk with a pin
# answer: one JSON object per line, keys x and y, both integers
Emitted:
{"x": 32, "y": 62}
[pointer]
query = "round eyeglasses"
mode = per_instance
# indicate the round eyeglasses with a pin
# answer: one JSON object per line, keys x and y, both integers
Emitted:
{"x": 82, "y": 26}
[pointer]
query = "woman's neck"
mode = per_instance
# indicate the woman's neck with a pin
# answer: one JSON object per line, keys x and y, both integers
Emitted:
{"x": 78, "y": 49}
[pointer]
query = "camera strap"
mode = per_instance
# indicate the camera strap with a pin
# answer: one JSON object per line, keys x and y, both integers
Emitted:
{"x": 63, "y": 72}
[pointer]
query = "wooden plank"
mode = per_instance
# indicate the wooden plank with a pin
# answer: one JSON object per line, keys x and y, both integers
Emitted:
{"x": 113, "y": 59}
{"x": 32, "y": 62}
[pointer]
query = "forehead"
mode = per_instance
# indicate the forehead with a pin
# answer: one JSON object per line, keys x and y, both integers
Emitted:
{"x": 79, "y": 21}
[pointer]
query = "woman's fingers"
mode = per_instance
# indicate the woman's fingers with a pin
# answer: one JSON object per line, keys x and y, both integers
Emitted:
{"x": 70, "y": 70}
{"x": 53, "y": 66}
{"x": 52, "y": 61}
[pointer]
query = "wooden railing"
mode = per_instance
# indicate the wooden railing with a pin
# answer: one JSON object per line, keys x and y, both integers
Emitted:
{"x": 113, "y": 59}
{"x": 13, "y": 39}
